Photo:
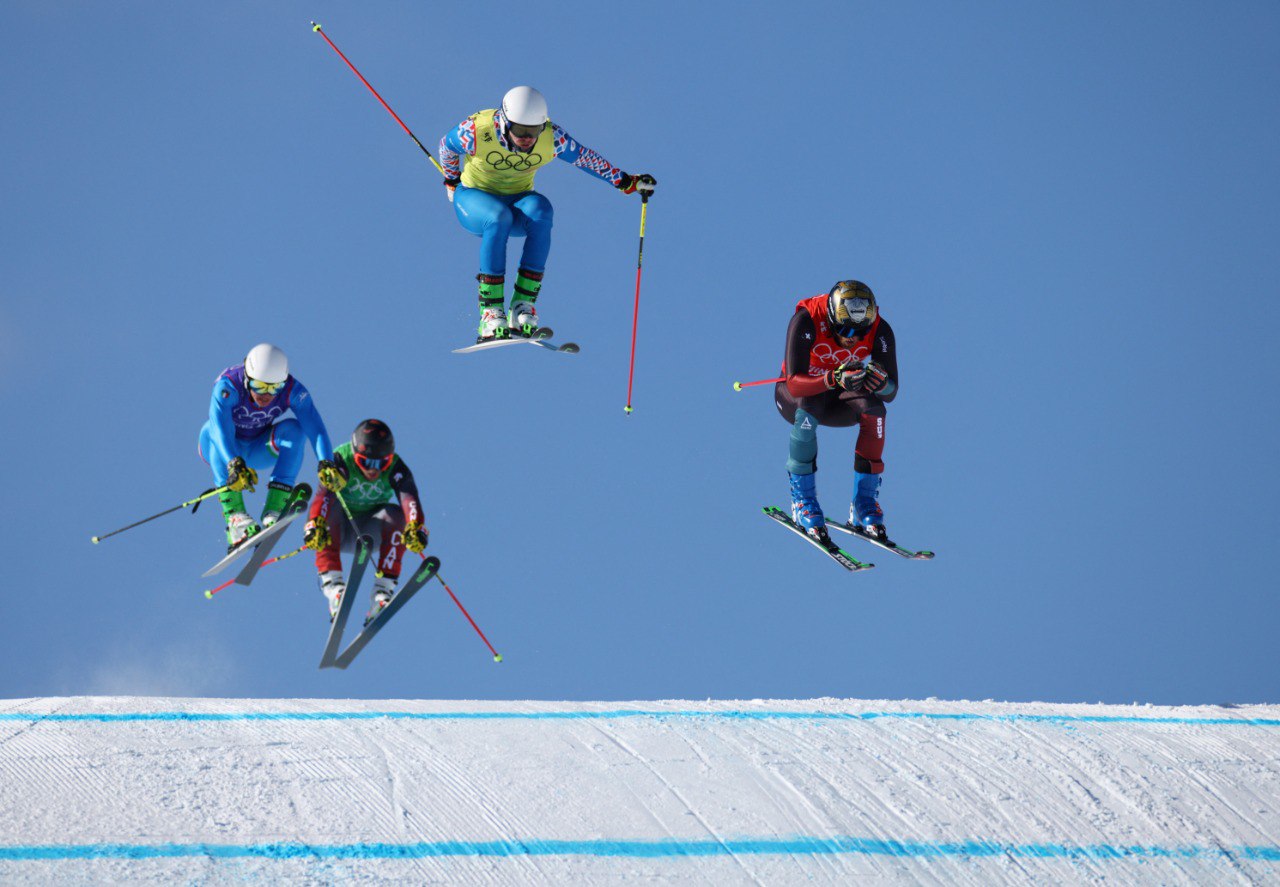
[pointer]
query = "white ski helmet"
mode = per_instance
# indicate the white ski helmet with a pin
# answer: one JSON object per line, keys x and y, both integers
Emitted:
{"x": 266, "y": 363}
{"x": 524, "y": 105}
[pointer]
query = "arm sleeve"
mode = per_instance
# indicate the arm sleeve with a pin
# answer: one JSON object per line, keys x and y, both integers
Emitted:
{"x": 458, "y": 141}
{"x": 795, "y": 366}
{"x": 309, "y": 418}
{"x": 407, "y": 490}
{"x": 571, "y": 151}
{"x": 884, "y": 353}
{"x": 222, "y": 429}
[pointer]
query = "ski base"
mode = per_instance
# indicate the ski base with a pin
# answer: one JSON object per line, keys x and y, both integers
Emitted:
{"x": 424, "y": 574}
{"x": 855, "y": 530}
{"x": 539, "y": 337}
{"x": 843, "y": 558}
{"x": 298, "y": 501}
{"x": 363, "y": 548}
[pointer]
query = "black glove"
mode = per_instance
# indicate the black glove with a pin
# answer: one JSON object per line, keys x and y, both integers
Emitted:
{"x": 847, "y": 376}
{"x": 451, "y": 185}
{"x": 644, "y": 183}
{"x": 876, "y": 378}
{"x": 240, "y": 476}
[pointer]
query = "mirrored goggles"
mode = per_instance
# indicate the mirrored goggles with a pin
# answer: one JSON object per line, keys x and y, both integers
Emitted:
{"x": 367, "y": 464}
{"x": 272, "y": 388}
{"x": 525, "y": 131}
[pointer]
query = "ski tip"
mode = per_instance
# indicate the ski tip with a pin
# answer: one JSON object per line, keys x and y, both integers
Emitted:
{"x": 497, "y": 657}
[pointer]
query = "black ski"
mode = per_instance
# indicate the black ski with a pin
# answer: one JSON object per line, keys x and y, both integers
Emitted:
{"x": 296, "y": 505}
{"x": 829, "y": 548}
{"x": 358, "y": 566}
{"x": 424, "y": 574}
{"x": 299, "y": 499}
{"x": 886, "y": 544}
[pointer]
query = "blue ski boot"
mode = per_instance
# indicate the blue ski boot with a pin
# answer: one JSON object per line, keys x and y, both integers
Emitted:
{"x": 805, "y": 510}
{"x": 865, "y": 511}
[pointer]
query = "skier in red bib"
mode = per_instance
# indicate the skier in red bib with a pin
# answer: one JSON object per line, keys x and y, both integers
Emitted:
{"x": 840, "y": 369}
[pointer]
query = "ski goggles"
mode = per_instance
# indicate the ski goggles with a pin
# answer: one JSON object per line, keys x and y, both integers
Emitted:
{"x": 525, "y": 131}
{"x": 257, "y": 387}
{"x": 366, "y": 464}
{"x": 853, "y": 315}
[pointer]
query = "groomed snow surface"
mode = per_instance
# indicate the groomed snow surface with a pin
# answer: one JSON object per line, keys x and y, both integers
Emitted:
{"x": 171, "y": 791}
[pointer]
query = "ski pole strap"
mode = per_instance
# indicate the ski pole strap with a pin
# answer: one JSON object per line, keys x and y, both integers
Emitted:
{"x": 738, "y": 386}
{"x": 315, "y": 26}
{"x": 196, "y": 501}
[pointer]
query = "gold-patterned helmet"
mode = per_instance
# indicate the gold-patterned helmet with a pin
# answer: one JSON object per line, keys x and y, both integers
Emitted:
{"x": 851, "y": 308}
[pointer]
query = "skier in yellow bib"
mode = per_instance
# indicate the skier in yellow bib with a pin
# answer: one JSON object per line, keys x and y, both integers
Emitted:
{"x": 490, "y": 160}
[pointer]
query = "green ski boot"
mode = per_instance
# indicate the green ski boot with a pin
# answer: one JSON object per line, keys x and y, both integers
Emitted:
{"x": 493, "y": 313}
{"x": 277, "y": 498}
{"x": 523, "y": 316}
{"x": 239, "y": 525}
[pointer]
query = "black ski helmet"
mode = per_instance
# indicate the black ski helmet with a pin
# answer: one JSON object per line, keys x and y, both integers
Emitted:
{"x": 372, "y": 440}
{"x": 851, "y": 308}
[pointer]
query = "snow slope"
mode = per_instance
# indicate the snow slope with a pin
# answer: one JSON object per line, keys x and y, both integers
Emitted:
{"x": 146, "y": 790}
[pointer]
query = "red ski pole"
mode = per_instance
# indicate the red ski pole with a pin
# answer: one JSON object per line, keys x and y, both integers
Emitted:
{"x": 635, "y": 319}
{"x": 316, "y": 27}
{"x": 279, "y": 557}
{"x": 738, "y": 386}
{"x": 497, "y": 657}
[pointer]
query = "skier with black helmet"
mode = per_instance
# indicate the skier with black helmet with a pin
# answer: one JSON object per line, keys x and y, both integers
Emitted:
{"x": 372, "y": 473}
{"x": 490, "y": 160}
{"x": 245, "y": 432}
{"x": 840, "y": 369}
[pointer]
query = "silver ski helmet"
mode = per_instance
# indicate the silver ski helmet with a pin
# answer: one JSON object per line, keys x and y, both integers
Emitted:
{"x": 851, "y": 308}
{"x": 372, "y": 445}
{"x": 525, "y": 111}
{"x": 266, "y": 369}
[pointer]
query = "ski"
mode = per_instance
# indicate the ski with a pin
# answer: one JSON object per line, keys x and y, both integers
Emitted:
{"x": 538, "y": 338}
{"x": 842, "y": 558}
{"x": 420, "y": 578}
{"x": 854, "y": 530}
{"x": 363, "y": 548}
{"x": 296, "y": 505}
{"x": 300, "y": 498}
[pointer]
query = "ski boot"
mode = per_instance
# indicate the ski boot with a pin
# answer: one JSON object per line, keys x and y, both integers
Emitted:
{"x": 493, "y": 313}
{"x": 384, "y": 589}
{"x": 805, "y": 510}
{"x": 523, "y": 316}
{"x": 277, "y": 498}
{"x": 333, "y": 586}
{"x": 865, "y": 512}
{"x": 239, "y": 525}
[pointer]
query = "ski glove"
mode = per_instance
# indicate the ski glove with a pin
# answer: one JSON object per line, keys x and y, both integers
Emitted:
{"x": 415, "y": 537}
{"x": 644, "y": 183}
{"x": 331, "y": 476}
{"x": 240, "y": 477}
{"x": 847, "y": 376}
{"x": 315, "y": 535}
{"x": 451, "y": 185}
{"x": 876, "y": 378}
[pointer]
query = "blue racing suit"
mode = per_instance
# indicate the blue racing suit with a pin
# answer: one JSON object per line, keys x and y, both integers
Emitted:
{"x": 239, "y": 427}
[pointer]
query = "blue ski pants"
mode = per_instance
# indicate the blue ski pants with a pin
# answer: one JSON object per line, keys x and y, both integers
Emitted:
{"x": 495, "y": 218}
{"x": 280, "y": 448}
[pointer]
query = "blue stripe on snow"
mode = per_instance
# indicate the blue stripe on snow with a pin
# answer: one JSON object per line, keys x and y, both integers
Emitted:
{"x": 635, "y": 849}
{"x": 626, "y": 713}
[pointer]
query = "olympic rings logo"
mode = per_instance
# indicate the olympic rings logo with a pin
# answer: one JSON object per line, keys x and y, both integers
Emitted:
{"x": 518, "y": 162}
{"x": 824, "y": 354}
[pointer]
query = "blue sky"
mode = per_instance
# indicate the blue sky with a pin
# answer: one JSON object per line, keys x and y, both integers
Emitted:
{"x": 1067, "y": 212}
